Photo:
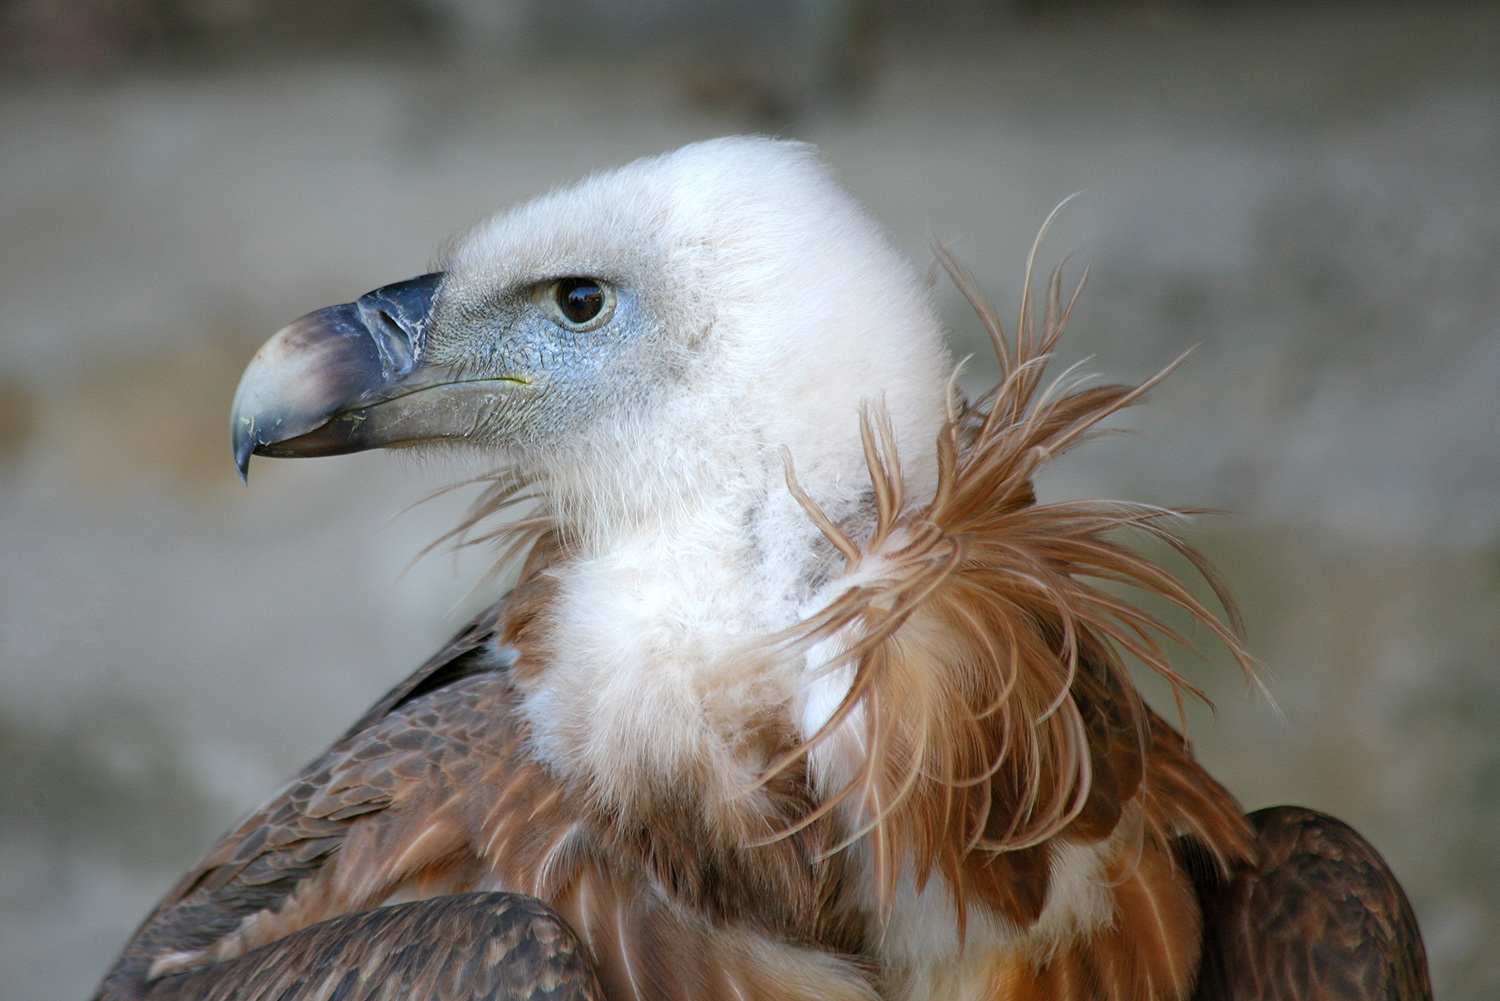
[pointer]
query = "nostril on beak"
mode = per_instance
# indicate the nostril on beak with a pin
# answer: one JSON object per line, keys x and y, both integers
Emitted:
{"x": 394, "y": 342}
{"x": 396, "y": 316}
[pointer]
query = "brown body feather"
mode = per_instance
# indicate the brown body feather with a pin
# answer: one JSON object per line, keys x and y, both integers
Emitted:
{"x": 1000, "y": 740}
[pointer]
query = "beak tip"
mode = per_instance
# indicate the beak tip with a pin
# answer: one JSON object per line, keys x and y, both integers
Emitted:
{"x": 242, "y": 436}
{"x": 243, "y": 449}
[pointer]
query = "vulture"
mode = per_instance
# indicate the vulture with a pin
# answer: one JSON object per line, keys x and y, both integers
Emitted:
{"x": 800, "y": 692}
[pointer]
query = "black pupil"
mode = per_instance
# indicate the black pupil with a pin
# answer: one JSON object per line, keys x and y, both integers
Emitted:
{"x": 580, "y": 299}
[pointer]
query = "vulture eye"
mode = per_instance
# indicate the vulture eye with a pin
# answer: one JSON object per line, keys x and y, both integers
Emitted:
{"x": 579, "y": 303}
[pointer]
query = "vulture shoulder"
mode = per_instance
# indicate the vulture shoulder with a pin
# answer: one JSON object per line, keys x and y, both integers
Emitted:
{"x": 1318, "y": 914}
{"x": 340, "y": 837}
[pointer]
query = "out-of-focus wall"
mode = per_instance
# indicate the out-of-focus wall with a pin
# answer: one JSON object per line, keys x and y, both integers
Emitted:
{"x": 1311, "y": 195}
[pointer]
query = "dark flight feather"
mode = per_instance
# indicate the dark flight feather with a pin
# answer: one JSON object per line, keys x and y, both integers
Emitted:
{"x": 460, "y": 947}
{"x": 1318, "y": 916}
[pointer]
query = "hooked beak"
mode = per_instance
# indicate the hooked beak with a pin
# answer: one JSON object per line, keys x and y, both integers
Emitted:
{"x": 355, "y": 376}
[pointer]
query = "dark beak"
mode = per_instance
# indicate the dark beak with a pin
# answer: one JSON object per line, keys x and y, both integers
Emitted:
{"x": 358, "y": 376}
{"x": 305, "y": 389}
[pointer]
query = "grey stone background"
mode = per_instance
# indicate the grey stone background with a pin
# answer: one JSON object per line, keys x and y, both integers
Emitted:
{"x": 1310, "y": 194}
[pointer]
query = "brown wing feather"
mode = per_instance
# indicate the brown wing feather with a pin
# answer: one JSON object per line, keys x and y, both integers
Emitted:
{"x": 464, "y": 947}
{"x": 305, "y": 854}
{"x": 1320, "y": 917}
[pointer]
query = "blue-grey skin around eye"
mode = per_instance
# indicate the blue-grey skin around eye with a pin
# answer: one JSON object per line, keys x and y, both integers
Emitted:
{"x": 563, "y": 378}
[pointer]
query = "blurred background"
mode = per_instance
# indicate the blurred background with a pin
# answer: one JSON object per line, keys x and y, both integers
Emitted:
{"x": 1308, "y": 192}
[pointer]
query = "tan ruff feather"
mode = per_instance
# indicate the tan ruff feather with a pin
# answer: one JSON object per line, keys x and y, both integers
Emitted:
{"x": 989, "y": 678}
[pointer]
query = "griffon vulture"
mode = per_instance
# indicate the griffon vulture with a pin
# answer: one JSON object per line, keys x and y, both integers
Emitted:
{"x": 801, "y": 692}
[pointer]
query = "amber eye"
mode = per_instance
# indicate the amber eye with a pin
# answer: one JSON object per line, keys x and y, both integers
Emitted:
{"x": 580, "y": 303}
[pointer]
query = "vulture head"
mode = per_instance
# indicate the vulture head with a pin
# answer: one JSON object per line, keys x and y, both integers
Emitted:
{"x": 646, "y": 346}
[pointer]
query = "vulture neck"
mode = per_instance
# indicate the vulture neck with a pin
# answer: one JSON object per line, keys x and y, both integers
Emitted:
{"x": 662, "y": 646}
